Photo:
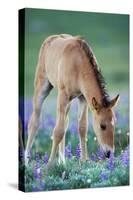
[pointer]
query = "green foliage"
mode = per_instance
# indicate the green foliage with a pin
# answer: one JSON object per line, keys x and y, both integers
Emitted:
{"x": 75, "y": 175}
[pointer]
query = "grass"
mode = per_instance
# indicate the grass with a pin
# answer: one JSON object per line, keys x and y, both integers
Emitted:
{"x": 74, "y": 174}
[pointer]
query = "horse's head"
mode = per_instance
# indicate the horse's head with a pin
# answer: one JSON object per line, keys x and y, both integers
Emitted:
{"x": 104, "y": 124}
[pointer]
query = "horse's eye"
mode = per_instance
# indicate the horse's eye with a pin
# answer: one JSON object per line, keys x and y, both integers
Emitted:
{"x": 103, "y": 126}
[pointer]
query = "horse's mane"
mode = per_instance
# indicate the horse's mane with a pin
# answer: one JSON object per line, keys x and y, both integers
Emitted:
{"x": 98, "y": 74}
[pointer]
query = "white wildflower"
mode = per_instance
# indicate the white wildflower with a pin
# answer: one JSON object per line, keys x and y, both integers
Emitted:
{"x": 38, "y": 170}
{"x": 88, "y": 180}
{"x": 119, "y": 131}
{"x": 127, "y": 133}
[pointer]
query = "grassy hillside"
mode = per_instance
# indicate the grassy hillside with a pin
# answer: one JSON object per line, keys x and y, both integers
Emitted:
{"x": 107, "y": 34}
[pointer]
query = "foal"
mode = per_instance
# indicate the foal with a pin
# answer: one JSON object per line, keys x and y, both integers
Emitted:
{"x": 68, "y": 64}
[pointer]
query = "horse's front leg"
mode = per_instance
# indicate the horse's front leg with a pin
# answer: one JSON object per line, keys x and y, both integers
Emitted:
{"x": 62, "y": 143}
{"x": 83, "y": 127}
{"x": 59, "y": 130}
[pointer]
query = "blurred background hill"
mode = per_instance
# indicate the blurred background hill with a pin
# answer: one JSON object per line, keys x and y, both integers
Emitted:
{"x": 107, "y": 34}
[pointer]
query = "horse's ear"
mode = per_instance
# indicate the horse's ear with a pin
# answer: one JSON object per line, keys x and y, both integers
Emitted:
{"x": 95, "y": 104}
{"x": 114, "y": 101}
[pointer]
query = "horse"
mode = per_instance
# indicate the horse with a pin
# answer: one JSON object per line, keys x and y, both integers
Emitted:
{"x": 68, "y": 64}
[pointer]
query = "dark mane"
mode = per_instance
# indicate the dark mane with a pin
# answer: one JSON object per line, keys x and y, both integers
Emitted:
{"x": 98, "y": 74}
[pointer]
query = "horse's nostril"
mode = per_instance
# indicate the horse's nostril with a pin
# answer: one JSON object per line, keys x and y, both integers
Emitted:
{"x": 108, "y": 154}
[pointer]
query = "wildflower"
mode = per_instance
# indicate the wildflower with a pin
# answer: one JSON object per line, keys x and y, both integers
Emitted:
{"x": 37, "y": 169}
{"x": 125, "y": 157}
{"x": 34, "y": 188}
{"x": 103, "y": 176}
{"x": 68, "y": 151}
{"x": 88, "y": 180}
{"x": 38, "y": 187}
{"x": 100, "y": 154}
{"x": 93, "y": 157}
{"x": 110, "y": 163}
{"x": 37, "y": 156}
{"x": 42, "y": 185}
{"x": 127, "y": 133}
{"x": 45, "y": 159}
{"x": 119, "y": 131}
{"x": 78, "y": 152}
{"x": 63, "y": 175}
{"x": 37, "y": 172}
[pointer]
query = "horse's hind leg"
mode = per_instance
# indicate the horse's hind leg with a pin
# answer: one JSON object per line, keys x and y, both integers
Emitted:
{"x": 42, "y": 89}
{"x": 83, "y": 127}
{"x": 62, "y": 143}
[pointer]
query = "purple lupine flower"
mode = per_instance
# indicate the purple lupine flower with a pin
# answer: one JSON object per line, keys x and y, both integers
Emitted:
{"x": 110, "y": 162}
{"x": 78, "y": 152}
{"x": 103, "y": 176}
{"x": 42, "y": 185}
{"x": 35, "y": 188}
{"x": 45, "y": 159}
{"x": 68, "y": 151}
{"x": 37, "y": 172}
{"x": 125, "y": 157}
{"x": 37, "y": 168}
{"x": 38, "y": 187}
{"x": 37, "y": 158}
{"x": 93, "y": 157}
{"x": 100, "y": 154}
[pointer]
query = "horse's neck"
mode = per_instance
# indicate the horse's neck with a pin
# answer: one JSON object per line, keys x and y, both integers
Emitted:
{"x": 90, "y": 88}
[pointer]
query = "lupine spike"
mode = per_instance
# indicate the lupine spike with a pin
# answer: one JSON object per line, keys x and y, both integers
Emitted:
{"x": 46, "y": 158}
{"x": 78, "y": 152}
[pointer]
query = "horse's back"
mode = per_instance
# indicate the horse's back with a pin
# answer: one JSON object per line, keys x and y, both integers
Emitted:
{"x": 61, "y": 55}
